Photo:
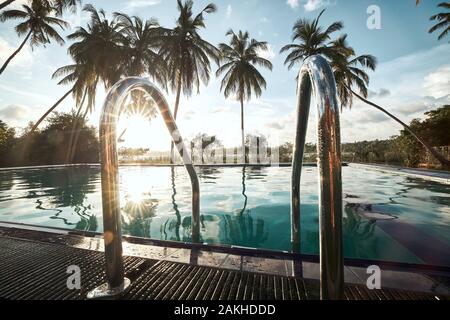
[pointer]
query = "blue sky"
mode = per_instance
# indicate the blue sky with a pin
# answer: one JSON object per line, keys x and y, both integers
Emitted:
{"x": 412, "y": 77}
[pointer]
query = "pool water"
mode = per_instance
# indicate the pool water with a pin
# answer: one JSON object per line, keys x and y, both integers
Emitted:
{"x": 386, "y": 216}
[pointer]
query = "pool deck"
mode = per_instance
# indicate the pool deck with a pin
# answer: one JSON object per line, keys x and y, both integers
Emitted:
{"x": 33, "y": 265}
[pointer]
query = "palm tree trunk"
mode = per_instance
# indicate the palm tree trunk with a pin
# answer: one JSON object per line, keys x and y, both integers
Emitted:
{"x": 242, "y": 128}
{"x": 70, "y": 151}
{"x": 6, "y": 3}
{"x": 50, "y": 110}
{"x": 175, "y": 113}
{"x": 15, "y": 52}
{"x": 77, "y": 136}
{"x": 444, "y": 162}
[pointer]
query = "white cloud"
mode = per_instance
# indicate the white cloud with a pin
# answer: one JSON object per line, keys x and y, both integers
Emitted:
{"x": 383, "y": 92}
{"x": 437, "y": 83}
{"x": 14, "y": 115}
{"x": 23, "y": 59}
{"x": 229, "y": 11}
{"x": 276, "y": 125}
{"x": 312, "y": 5}
{"x": 293, "y": 3}
{"x": 142, "y": 3}
{"x": 221, "y": 110}
{"x": 188, "y": 115}
{"x": 264, "y": 20}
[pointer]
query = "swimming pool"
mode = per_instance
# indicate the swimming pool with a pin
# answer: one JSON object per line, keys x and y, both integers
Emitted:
{"x": 387, "y": 216}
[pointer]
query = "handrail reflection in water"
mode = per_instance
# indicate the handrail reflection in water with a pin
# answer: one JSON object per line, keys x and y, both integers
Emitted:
{"x": 316, "y": 77}
{"x": 116, "y": 281}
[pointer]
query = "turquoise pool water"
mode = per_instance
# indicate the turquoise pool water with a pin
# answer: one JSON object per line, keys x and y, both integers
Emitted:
{"x": 386, "y": 216}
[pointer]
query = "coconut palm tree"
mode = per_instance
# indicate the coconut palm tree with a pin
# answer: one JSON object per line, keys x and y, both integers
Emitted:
{"x": 348, "y": 69}
{"x": 58, "y": 5}
{"x": 186, "y": 54}
{"x": 241, "y": 57}
{"x": 96, "y": 56}
{"x": 99, "y": 52}
{"x": 6, "y": 3}
{"x": 312, "y": 40}
{"x": 89, "y": 55}
{"x": 85, "y": 86}
{"x": 140, "y": 47}
{"x": 38, "y": 26}
{"x": 64, "y": 5}
{"x": 443, "y": 19}
{"x": 100, "y": 45}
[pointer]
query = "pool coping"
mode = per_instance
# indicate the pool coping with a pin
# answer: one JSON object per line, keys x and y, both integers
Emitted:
{"x": 425, "y": 174}
{"x": 225, "y": 165}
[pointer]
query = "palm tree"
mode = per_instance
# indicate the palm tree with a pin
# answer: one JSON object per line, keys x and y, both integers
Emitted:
{"x": 140, "y": 45}
{"x": 37, "y": 26}
{"x": 345, "y": 67}
{"x": 98, "y": 52}
{"x": 85, "y": 86}
{"x": 6, "y": 3}
{"x": 444, "y": 21}
{"x": 313, "y": 40}
{"x": 241, "y": 58}
{"x": 100, "y": 45}
{"x": 89, "y": 55}
{"x": 186, "y": 54}
{"x": 58, "y": 5}
{"x": 348, "y": 71}
{"x": 140, "y": 57}
{"x": 64, "y": 5}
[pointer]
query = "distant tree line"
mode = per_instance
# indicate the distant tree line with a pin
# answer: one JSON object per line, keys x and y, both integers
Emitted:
{"x": 50, "y": 145}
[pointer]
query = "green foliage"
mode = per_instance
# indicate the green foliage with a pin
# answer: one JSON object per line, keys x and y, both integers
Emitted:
{"x": 240, "y": 61}
{"x": 186, "y": 54}
{"x": 399, "y": 150}
{"x": 435, "y": 128}
{"x": 50, "y": 145}
{"x": 7, "y": 139}
{"x": 38, "y": 21}
{"x": 442, "y": 21}
{"x": 285, "y": 152}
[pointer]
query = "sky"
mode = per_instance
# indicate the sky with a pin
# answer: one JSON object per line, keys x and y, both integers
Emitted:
{"x": 412, "y": 77}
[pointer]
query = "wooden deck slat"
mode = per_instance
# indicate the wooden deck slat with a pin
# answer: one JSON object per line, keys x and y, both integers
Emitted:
{"x": 34, "y": 270}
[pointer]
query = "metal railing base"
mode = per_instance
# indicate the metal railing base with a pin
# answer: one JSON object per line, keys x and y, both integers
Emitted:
{"x": 105, "y": 292}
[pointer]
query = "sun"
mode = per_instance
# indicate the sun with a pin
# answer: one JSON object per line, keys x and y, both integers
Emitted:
{"x": 134, "y": 131}
{"x": 140, "y": 131}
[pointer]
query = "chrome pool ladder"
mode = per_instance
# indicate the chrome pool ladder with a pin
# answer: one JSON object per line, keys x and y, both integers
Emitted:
{"x": 116, "y": 281}
{"x": 316, "y": 78}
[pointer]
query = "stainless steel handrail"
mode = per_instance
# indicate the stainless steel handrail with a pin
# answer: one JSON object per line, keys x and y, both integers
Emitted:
{"x": 317, "y": 77}
{"x": 116, "y": 281}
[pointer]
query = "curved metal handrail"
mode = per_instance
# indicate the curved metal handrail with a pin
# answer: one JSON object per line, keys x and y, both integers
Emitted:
{"x": 116, "y": 282}
{"x": 316, "y": 76}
